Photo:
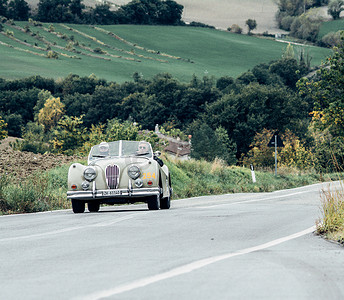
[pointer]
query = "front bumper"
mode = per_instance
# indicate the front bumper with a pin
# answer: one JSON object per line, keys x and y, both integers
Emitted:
{"x": 111, "y": 194}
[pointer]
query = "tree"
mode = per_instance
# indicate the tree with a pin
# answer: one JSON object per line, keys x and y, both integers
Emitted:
{"x": 3, "y": 8}
{"x": 204, "y": 143}
{"x": 326, "y": 90}
{"x": 18, "y": 10}
{"x": 251, "y": 24}
{"x": 170, "y": 13}
{"x": 69, "y": 135}
{"x": 14, "y": 124}
{"x": 54, "y": 11}
{"x": 335, "y": 7}
{"x": 51, "y": 113}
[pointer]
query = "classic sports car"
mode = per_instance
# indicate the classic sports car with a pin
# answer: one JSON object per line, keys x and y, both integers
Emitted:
{"x": 120, "y": 172}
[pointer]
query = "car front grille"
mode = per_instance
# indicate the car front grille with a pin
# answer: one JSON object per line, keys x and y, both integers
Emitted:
{"x": 112, "y": 176}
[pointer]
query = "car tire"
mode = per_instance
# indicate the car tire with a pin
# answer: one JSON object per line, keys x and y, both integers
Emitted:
{"x": 153, "y": 202}
{"x": 165, "y": 203}
{"x": 78, "y": 206}
{"x": 93, "y": 206}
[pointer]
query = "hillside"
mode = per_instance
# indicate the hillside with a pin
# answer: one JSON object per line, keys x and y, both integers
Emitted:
{"x": 116, "y": 52}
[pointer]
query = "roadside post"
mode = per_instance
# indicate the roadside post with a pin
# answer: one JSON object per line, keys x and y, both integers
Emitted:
{"x": 276, "y": 141}
{"x": 253, "y": 175}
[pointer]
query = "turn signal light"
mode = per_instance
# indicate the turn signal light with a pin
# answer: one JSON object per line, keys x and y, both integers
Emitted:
{"x": 150, "y": 182}
{"x": 74, "y": 187}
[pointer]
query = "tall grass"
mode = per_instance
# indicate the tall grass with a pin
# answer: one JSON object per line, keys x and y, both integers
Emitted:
{"x": 331, "y": 223}
{"x": 195, "y": 178}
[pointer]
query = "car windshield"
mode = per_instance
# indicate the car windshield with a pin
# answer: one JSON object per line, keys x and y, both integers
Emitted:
{"x": 120, "y": 149}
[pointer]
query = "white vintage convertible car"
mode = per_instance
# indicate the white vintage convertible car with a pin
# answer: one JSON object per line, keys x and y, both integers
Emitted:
{"x": 120, "y": 172}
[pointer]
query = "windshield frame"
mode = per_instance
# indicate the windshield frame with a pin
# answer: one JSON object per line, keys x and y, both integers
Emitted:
{"x": 121, "y": 148}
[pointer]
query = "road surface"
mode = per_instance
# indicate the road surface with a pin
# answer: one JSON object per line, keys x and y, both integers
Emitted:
{"x": 236, "y": 246}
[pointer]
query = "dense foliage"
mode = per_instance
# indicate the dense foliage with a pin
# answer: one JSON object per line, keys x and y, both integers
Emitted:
{"x": 223, "y": 113}
{"x": 297, "y": 17}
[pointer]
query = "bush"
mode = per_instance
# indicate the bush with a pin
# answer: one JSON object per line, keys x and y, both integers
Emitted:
{"x": 331, "y": 39}
{"x": 236, "y": 29}
{"x": 199, "y": 24}
{"x": 26, "y": 196}
{"x": 286, "y": 22}
{"x": 52, "y": 54}
{"x": 306, "y": 28}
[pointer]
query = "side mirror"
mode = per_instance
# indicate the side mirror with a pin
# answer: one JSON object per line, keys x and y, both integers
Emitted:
{"x": 157, "y": 153}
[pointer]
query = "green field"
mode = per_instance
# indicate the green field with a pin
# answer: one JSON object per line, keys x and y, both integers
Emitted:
{"x": 331, "y": 26}
{"x": 148, "y": 50}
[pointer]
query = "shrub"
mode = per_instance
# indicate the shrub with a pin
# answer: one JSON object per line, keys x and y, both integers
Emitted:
{"x": 305, "y": 27}
{"x": 3, "y": 131}
{"x": 286, "y": 22}
{"x": 99, "y": 51}
{"x": 331, "y": 39}
{"x": 236, "y": 29}
{"x": 199, "y": 24}
{"x": 52, "y": 54}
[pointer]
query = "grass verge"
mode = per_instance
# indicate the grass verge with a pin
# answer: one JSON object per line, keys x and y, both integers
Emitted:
{"x": 47, "y": 191}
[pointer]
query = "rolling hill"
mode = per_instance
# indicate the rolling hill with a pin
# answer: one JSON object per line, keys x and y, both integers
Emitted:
{"x": 115, "y": 52}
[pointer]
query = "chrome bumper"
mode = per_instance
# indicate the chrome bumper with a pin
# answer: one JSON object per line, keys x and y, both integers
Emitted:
{"x": 118, "y": 193}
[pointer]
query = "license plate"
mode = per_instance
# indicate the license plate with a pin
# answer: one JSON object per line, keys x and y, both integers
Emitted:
{"x": 111, "y": 193}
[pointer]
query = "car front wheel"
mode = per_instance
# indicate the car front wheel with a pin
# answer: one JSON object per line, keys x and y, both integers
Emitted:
{"x": 93, "y": 206}
{"x": 78, "y": 206}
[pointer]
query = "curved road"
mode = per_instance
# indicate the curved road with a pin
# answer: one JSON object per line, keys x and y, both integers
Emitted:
{"x": 236, "y": 246}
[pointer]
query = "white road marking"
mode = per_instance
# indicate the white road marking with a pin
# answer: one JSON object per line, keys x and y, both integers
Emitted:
{"x": 58, "y": 231}
{"x": 189, "y": 268}
{"x": 254, "y": 200}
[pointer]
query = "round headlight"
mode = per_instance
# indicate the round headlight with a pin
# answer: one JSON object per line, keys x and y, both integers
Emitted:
{"x": 134, "y": 172}
{"x": 90, "y": 174}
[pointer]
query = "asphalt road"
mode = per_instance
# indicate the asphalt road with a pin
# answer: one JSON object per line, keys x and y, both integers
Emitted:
{"x": 237, "y": 246}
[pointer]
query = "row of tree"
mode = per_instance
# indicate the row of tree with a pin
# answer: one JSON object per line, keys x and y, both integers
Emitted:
{"x": 166, "y": 12}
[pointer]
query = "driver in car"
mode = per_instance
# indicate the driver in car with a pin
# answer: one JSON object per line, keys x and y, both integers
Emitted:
{"x": 142, "y": 149}
{"x": 104, "y": 149}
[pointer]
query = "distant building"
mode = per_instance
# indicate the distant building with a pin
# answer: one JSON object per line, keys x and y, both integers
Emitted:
{"x": 180, "y": 150}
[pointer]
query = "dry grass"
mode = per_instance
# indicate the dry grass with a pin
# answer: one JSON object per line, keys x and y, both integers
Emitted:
{"x": 331, "y": 223}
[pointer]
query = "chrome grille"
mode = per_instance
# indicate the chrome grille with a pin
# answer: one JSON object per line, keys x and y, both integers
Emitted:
{"x": 112, "y": 176}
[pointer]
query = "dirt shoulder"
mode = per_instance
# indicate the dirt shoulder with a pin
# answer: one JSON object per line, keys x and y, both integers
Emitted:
{"x": 23, "y": 164}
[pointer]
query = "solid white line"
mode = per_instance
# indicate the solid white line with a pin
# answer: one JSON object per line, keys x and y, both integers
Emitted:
{"x": 189, "y": 268}
{"x": 254, "y": 200}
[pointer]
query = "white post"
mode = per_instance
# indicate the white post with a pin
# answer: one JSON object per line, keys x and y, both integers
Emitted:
{"x": 275, "y": 154}
{"x": 253, "y": 175}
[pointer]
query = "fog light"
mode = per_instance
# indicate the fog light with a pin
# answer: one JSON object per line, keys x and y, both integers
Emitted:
{"x": 138, "y": 183}
{"x": 85, "y": 185}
